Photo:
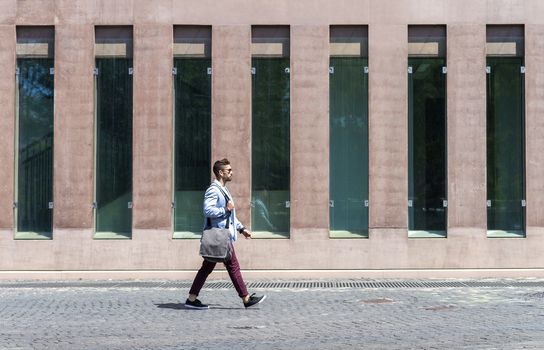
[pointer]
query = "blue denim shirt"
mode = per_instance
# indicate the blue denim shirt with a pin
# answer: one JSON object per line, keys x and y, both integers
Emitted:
{"x": 215, "y": 208}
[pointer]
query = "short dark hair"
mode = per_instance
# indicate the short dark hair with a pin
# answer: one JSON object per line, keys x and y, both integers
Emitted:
{"x": 219, "y": 165}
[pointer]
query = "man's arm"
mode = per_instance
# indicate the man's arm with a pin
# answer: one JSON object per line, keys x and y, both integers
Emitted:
{"x": 211, "y": 209}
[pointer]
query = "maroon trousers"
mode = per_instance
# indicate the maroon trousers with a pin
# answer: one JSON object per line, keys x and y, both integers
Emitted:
{"x": 233, "y": 268}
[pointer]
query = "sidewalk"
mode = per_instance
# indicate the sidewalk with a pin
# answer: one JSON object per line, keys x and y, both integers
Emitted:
{"x": 497, "y": 314}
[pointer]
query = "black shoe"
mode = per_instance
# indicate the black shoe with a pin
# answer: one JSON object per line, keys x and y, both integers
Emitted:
{"x": 254, "y": 300}
{"x": 195, "y": 305}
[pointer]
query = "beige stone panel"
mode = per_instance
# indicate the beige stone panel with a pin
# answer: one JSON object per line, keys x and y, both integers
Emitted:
{"x": 156, "y": 11}
{"x": 8, "y": 11}
{"x": 152, "y": 120}
{"x": 288, "y": 275}
{"x": 505, "y": 11}
{"x": 231, "y": 109}
{"x": 309, "y": 127}
{"x": 388, "y": 126}
{"x": 501, "y": 49}
{"x": 32, "y": 49}
{"x": 71, "y": 250}
{"x": 154, "y": 249}
{"x": 387, "y": 249}
{"x": 426, "y": 12}
{"x": 331, "y": 12}
{"x": 75, "y": 11}
{"x": 189, "y": 49}
{"x": 308, "y": 12}
{"x": 34, "y": 12}
{"x": 346, "y": 49}
{"x": 389, "y": 12}
{"x": 111, "y": 50}
{"x": 7, "y": 125}
{"x": 73, "y": 126}
{"x": 466, "y": 127}
{"x": 423, "y": 49}
{"x": 533, "y": 12}
{"x": 465, "y": 11}
{"x": 118, "y": 12}
{"x": 534, "y": 125}
{"x": 108, "y": 254}
{"x": 267, "y": 49}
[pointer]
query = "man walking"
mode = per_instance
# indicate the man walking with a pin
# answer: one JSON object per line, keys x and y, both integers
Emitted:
{"x": 218, "y": 208}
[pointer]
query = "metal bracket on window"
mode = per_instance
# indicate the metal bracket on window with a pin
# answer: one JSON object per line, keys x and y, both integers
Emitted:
{"x": 95, "y": 71}
{"x": 15, "y": 205}
{"x": 522, "y": 69}
{"x": 50, "y": 205}
{"x": 287, "y": 70}
{"x": 445, "y": 203}
{"x": 209, "y": 71}
{"x": 52, "y": 71}
{"x": 174, "y": 71}
{"x": 409, "y": 70}
{"x": 173, "y": 205}
{"x": 488, "y": 70}
{"x": 444, "y": 70}
{"x": 523, "y": 203}
{"x": 130, "y": 205}
{"x": 365, "y": 70}
{"x": 94, "y": 205}
{"x": 253, "y": 70}
{"x": 410, "y": 203}
{"x": 331, "y": 203}
{"x": 131, "y": 71}
{"x": 288, "y": 204}
{"x": 331, "y": 70}
{"x": 489, "y": 203}
{"x": 366, "y": 203}
{"x": 17, "y": 71}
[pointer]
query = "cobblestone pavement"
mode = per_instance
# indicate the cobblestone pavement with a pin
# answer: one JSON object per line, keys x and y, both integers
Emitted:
{"x": 113, "y": 317}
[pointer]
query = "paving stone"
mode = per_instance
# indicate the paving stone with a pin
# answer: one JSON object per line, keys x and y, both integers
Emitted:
{"x": 117, "y": 317}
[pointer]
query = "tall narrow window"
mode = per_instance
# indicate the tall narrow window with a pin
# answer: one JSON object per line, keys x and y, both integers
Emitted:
{"x": 34, "y": 136}
{"x": 505, "y": 132}
{"x": 348, "y": 127}
{"x": 192, "y": 127}
{"x": 113, "y": 176}
{"x": 427, "y": 196}
{"x": 270, "y": 138}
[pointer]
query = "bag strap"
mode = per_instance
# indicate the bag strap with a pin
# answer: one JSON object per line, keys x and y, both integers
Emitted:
{"x": 209, "y": 221}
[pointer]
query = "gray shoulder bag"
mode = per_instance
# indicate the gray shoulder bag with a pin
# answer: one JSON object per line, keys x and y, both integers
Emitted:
{"x": 215, "y": 243}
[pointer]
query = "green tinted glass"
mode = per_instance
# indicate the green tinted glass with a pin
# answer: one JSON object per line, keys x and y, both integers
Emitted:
{"x": 192, "y": 85}
{"x": 34, "y": 148}
{"x": 113, "y": 147}
{"x": 427, "y": 145}
{"x": 505, "y": 146}
{"x": 270, "y": 147}
{"x": 348, "y": 147}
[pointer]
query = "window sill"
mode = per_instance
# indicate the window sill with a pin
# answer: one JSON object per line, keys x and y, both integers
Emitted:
{"x": 269, "y": 235}
{"x": 505, "y": 234}
{"x": 186, "y": 235}
{"x": 30, "y": 235}
{"x": 426, "y": 234}
{"x": 112, "y": 235}
{"x": 348, "y": 234}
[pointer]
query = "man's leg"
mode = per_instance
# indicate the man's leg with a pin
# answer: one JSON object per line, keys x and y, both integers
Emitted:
{"x": 233, "y": 268}
{"x": 200, "y": 278}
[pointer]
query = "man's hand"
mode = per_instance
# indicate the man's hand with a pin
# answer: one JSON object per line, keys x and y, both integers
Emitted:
{"x": 246, "y": 233}
{"x": 230, "y": 206}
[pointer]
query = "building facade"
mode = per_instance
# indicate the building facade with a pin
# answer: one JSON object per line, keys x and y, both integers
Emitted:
{"x": 368, "y": 138}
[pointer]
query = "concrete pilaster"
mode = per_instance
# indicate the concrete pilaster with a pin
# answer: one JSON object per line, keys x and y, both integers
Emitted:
{"x": 309, "y": 130}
